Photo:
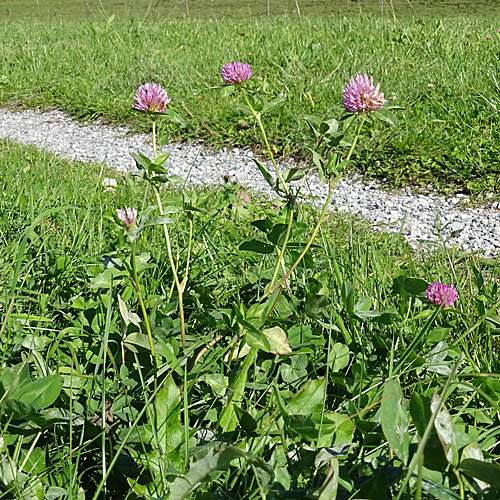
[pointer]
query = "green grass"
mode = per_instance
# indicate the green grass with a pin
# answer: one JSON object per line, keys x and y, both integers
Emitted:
{"x": 347, "y": 383}
{"x": 442, "y": 72}
{"x": 354, "y": 314}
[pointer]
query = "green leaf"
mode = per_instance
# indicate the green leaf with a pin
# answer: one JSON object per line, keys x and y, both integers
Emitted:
{"x": 257, "y": 246}
{"x": 338, "y": 357}
{"x": 420, "y": 412}
{"x": 21, "y": 411}
{"x": 227, "y": 90}
{"x": 228, "y": 419}
{"x": 394, "y": 419}
{"x": 439, "y": 491}
{"x": 54, "y": 492}
{"x": 347, "y": 296}
{"x": 142, "y": 162}
{"x": 303, "y": 426}
{"x": 160, "y": 220}
{"x": 328, "y": 490}
{"x": 202, "y": 470}
{"x": 140, "y": 340}
{"x": 320, "y": 165}
{"x": 246, "y": 421}
{"x": 263, "y": 473}
{"x": 167, "y": 418}
{"x": 278, "y": 341}
{"x": 263, "y": 224}
{"x": 172, "y": 116}
{"x": 40, "y": 393}
{"x": 15, "y": 376}
{"x": 409, "y": 287}
{"x": 161, "y": 159}
{"x": 472, "y": 451}
{"x": 445, "y": 430}
{"x": 330, "y": 126}
{"x": 269, "y": 105}
{"x": 488, "y": 472}
{"x": 337, "y": 429}
{"x": 309, "y": 399}
{"x": 277, "y": 234}
{"x": 104, "y": 279}
{"x": 263, "y": 170}
{"x": 293, "y": 174}
{"x": 386, "y": 116}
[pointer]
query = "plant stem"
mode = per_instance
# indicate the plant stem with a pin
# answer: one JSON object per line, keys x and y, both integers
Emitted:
{"x": 418, "y": 491}
{"x": 282, "y": 249}
{"x": 180, "y": 286}
{"x": 332, "y": 184}
{"x": 268, "y": 147}
{"x": 141, "y": 302}
{"x": 287, "y": 237}
{"x": 154, "y": 141}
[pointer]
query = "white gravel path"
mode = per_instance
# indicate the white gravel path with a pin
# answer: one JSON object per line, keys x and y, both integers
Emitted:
{"x": 412, "y": 214}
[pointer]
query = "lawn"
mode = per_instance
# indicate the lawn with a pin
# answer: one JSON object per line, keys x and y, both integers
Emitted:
{"x": 443, "y": 72}
{"x": 161, "y": 342}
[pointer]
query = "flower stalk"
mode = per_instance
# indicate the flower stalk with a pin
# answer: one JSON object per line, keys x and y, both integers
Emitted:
{"x": 180, "y": 286}
{"x": 333, "y": 181}
{"x": 137, "y": 287}
{"x": 257, "y": 117}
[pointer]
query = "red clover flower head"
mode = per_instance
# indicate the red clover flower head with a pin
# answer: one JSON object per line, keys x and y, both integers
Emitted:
{"x": 362, "y": 95}
{"x": 441, "y": 294}
{"x": 128, "y": 216}
{"x": 236, "y": 72}
{"x": 151, "y": 97}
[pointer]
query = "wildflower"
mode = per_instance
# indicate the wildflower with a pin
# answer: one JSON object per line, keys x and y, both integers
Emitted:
{"x": 151, "y": 97}
{"x": 361, "y": 95}
{"x": 236, "y": 72}
{"x": 441, "y": 294}
{"x": 109, "y": 184}
{"x": 128, "y": 216}
{"x": 488, "y": 37}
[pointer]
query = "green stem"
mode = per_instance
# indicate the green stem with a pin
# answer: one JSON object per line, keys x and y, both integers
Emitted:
{"x": 282, "y": 249}
{"x": 420, "y": 472}
{"x": 287, "y": 237}
{"x": 268, "y": 147}
{"x": 155, "y": 155}
{"x": 308, "y": 245}
{"x": 332, "y": 184}
{"x": 141, "y": 302}
{"x": 180, "y": 286}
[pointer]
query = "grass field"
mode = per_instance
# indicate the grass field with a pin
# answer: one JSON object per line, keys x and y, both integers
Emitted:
{"x": 76, "y": 352}
{"x": 444, "y": 73}
{"x": 216, "y": 345}
{"x": 159, "y": 10}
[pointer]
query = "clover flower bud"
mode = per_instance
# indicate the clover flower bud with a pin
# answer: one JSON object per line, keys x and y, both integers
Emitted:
{"x": 128, "y": 216}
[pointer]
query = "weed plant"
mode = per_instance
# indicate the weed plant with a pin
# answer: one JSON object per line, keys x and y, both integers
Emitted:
{"x": 253, "y": 348}
{"x": 444, "y": 72}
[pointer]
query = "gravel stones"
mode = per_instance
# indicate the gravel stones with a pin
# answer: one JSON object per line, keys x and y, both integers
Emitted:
{"x": 416, "y": 216}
